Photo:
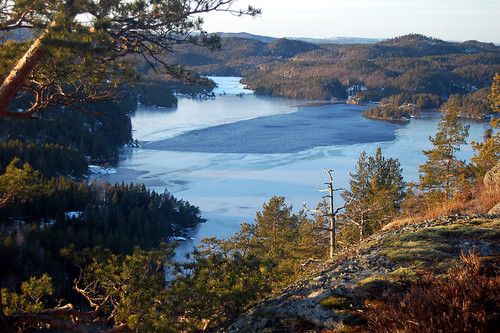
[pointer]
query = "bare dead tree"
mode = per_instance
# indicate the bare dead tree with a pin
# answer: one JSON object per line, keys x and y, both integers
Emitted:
{"x": 332, "y": 213}
{"x": 361, "y": 215}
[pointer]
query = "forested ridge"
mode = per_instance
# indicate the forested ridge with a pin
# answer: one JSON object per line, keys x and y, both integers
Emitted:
{"x": 412, "y": 64}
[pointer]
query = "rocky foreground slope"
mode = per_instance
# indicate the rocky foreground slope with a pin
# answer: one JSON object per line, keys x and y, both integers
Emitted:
{"x": 332, "y": 296}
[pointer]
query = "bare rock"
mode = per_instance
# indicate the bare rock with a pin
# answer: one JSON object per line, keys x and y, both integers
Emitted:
{"x": 357, "y": 275}
{"x": 492, "y": 178}
{"x": 495, "y": 210}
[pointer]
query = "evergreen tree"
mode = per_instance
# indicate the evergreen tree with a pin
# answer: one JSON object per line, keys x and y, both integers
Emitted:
{"x": 441, "y": 173}
{"x": 488, "y": 152}
{"x": 213, "y": 288}
{"x": 376, "y": 192}
{"x": 18, "y": 184}
{"x": 276, "y": 228}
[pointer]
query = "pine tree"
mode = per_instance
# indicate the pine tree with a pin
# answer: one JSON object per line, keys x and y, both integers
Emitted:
{"x": 19, "y": 184}
{"x": 81, "y": 50}
{"x": 488, "y": 152}
{"x": 440, "y": 174}
{"x": 376, "y": 192}
{"x": 276, "y": 227}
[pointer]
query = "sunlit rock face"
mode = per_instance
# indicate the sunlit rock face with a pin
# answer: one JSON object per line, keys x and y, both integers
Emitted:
{"x": 492, "y": 178}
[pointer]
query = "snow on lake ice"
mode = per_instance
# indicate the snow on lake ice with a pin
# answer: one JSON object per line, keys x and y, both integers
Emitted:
{"x": 97, "y": 169}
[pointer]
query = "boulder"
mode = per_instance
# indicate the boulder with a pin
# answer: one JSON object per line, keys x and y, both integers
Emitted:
{"x": 492, "y": 178}
{"x": 495, "y": 210}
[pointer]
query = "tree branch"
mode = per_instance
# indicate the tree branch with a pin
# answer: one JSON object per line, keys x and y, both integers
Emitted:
{"x": 52, "y": 318}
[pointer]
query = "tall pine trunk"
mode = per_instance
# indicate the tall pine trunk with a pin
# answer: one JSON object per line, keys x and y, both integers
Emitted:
{"x": 27, "y": 64}
{"x": 18, "y": 76}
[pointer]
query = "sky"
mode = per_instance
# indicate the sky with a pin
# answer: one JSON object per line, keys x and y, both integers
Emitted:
{"x": 450, "y": 20}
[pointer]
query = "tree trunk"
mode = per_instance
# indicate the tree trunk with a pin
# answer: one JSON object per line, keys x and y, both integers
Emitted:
{"x": 361, "y": 228}
{"x": 332, "y": 224}
{"x": 25, "y": 66}
{"x": 18, "y": 76}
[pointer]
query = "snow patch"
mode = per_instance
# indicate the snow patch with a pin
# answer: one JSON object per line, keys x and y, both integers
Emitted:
{"x": 73, "y": 215}
{"x": 181, "y": 239}
{"x": 97, "y": 169}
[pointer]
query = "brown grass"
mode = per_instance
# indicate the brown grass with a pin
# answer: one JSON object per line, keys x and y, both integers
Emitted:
{"x": 467, "y": 301}
{"x": 478, "y": 201}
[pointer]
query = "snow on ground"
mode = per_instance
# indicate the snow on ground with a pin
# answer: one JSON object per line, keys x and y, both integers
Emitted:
{"x": 72, "y": 215}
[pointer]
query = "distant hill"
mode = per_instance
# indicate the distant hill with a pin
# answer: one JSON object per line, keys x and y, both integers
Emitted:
{"x": 412, "y": 64}
{"x": 287, "y": 48}
{"x": 339, "y": 40}
{"x": 246, "y": 35}
{"x": 331, "y": 40}
{"x": 415, "y": 45}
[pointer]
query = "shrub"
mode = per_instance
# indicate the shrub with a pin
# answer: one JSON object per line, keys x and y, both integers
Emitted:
{"x": 467, "y": 301}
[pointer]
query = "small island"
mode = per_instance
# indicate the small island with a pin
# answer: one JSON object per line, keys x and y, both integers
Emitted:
{"x": 390, "y": 113}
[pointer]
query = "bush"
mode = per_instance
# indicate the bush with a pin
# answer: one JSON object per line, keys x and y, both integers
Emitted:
{"x": 467, "y": 301}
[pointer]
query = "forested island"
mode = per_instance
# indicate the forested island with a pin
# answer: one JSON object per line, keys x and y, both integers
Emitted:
{"x": 92, "y": 256}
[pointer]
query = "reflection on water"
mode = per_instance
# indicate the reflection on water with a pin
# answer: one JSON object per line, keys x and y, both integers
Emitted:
{"x": 230, "y": 187}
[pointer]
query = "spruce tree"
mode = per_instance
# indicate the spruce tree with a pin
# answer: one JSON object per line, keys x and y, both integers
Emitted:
{"x": 376, "y": 192}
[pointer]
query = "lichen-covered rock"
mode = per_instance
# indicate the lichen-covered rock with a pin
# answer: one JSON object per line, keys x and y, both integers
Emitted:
{"x": 492, "y": 178}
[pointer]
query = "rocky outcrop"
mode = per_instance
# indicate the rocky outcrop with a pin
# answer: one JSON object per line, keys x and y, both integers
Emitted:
{"x": 301, "y": 307}
{"x": 495, "y": 210}
{"x": 492, "y": 178}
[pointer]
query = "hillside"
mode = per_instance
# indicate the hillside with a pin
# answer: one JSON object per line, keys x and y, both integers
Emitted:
{"x": 330, "y": 40}
{"x": 412, "y": 64}
{"x": 336, "y": 296}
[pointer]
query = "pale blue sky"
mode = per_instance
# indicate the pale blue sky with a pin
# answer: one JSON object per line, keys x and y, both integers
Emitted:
{"x": 456, "y": 20}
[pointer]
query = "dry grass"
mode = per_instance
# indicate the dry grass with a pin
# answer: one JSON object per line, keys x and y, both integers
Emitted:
{"x": 479, "y": 201}
{"x": 467, "y": 301}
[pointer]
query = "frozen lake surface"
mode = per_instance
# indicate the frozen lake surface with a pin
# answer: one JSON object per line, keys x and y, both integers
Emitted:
{"x": 230, "y": 154}
{"x": 305, "y": 129}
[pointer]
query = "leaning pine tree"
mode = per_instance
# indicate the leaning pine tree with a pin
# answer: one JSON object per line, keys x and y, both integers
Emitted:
{"x": 77, "y": 51}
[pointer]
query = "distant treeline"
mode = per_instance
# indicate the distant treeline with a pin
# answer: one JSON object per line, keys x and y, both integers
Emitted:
{"x": 474, "y": 105}
{"x": 50, "y": 159}
{"x": 96, "y": 135}
{"x": 390, "y": 113}
{"x": 403, "y": 106}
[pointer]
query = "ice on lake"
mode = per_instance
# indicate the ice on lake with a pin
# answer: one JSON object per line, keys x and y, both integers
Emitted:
{"x": 230, "y": 154}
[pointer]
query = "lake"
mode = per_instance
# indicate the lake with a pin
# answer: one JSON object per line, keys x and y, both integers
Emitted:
{"x": 230, "y": 154}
